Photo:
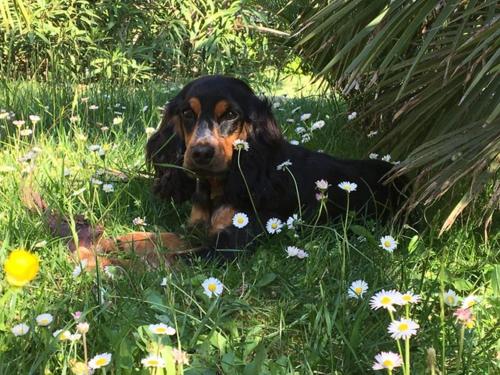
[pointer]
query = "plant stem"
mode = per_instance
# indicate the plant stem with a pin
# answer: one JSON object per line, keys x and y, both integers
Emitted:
{"x": 461, "y": 346}
{"x": 296, "y": 191}
{"x": 407, "y": 356}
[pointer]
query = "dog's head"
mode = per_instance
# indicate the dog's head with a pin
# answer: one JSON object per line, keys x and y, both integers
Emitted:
{"x": 202, "y": 122}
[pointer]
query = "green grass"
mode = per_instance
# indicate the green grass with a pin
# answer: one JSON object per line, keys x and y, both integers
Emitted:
{"x": 277, "y": 315}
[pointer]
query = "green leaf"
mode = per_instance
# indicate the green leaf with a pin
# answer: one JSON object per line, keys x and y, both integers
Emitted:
{"x": 267, "y": 279}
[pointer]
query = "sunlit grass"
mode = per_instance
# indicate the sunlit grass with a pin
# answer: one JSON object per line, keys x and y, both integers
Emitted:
{"x": 276, "y": 314}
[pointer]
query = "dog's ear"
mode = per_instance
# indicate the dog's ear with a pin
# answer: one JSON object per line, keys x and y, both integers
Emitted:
{"x": 165, "y": 152}
{"x": 264, "y": 126}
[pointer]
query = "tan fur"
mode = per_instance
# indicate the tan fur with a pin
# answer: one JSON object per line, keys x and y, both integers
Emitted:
{"x": 221, "y": 219}
{"x": 199, "y": 215}
{"x": 220, "y": 108}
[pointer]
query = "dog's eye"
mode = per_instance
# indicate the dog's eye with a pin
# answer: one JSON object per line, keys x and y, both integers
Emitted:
{"x": 229, "y": 116}
{"x": 188, "y": 114}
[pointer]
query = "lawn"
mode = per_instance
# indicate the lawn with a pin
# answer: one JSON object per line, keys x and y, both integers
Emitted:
{"x": 276, "y": 314}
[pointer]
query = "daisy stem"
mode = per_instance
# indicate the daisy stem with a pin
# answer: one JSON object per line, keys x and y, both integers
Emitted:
{"x": 389, "y": 371}
{"x": 250, "y": 193}
{"x": 461, "y": 346}
{"x": 296, "y": 190}
{"x": 407, "y": 356}
{"x": 400, "y": 350}
{"x": 85, "y": 354}
{"x": 321, "y": 205}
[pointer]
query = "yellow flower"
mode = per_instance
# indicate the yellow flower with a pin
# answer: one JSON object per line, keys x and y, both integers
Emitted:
{"x": 21, "y": 267}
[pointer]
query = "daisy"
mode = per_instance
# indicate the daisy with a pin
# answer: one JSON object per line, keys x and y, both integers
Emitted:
{"x": 79, "y": 268}
{"x": 62, "y": 335}
{"x": 409, "y": 297}
{"x": 450, "y": 298}
{"x": 306, "y": 138}
{"x": 240, "y": 144}
{"x": 100, "y": 360}
{"x": 373, "y": 155}
{"x": 139, "y": 221}
{"x": 94, "y": 148}
{"x": 163, "y": 282}
{"x": 301, "y": 254}
{"x": 386, "y": 158}
{"x": 300, "y": 130}
{"x": 180, "y": 356}
{"x": 161, "y": 329}
{"x": 317, "y": 125}
{"x": 274, "y": 225}
{"x": 322, "y": 185}
{"x": 283, "y": 165}
{"x": 240, "y": 220}
{"x": 104, "y": 128}
{"x": 25, "y": 132}
{"x": 212, "y": 287}
{"x": 352, "y": 116}
{"x": 95, "y": 181}
{"x": 348, "y": 186}
{"x": 34, "y": 118}
{"x": 149, "y": 131}
{"x": 117, "y": 120}
{"x": 463, "y": 314}
{"x": 93, "y": 107}
{"x": 74, "y": 337}
{"x": 470, "y": 301}
{"x": 82, "y": 327}
{"x": 384, "y": 299}
{"x": 387, "y": 360}
{"x": 153, "y": 361}
{"x": 388, "y": 243}
{"x": 44, "y": 320}
{"x": 357, "y": 289}
{"x": 76, "y": 315}
{"x": 403, "y": 328}
{"x": 74, "y": 119}
{"x": 292, "y": 251}
{"x": 20, "y": 329}
{"x": 108, "y": 188}
{"x": 289, "y": 120}
{"x": 305, "y": 116}
{"x": 292, "y": 221}
{"x": 19, "y": 123}
{"x": 294, "y": 142}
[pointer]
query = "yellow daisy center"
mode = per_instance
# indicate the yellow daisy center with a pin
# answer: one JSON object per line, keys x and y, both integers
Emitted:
{"x": 450, "y": 299}
{"x": 44, "y": 321}
{"x": 100, "y": 361}
{"x": 274, "y": 225}
{"x": 153, "y": 362}
{"x": 385, "y": 300}
{"x": 469, "y": 324}
{"x": 387, "y": 243}
{"x": 406, "y": 297}
{"x": 388, "y": 363}
{"x": 403, "y": 327}
{"x": 161, "y": 330}
{"x": 358, "y": 290}
{"x": 212, "y": 287}
{"x": 240, "y": 220}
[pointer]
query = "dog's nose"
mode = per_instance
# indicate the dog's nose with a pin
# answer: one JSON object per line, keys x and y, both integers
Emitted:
{"x": 203, "y": 154}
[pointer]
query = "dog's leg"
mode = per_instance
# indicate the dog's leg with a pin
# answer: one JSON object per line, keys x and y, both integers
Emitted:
{"x": 201, "y": 205}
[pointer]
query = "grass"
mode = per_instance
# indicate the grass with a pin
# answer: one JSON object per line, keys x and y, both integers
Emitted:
{"x": 277, "y": 315}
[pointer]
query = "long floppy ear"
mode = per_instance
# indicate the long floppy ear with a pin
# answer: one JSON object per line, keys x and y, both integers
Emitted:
{"x": 263, "y": 124}
{"x": 165, "y": 152}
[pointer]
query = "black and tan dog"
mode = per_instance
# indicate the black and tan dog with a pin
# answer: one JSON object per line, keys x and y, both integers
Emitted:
{"x": 197, "y": 133}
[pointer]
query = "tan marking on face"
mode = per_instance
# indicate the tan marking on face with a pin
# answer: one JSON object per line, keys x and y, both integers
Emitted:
{"x": 199, "y": 215}
{"x": 220, "y": 108}
{"x": 226, "y": 146}
{"x": 195, "y": 105}
{"x": 221, "y": 219}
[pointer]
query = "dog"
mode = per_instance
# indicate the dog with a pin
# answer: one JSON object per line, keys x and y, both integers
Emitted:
{"x": 219, "y": 145}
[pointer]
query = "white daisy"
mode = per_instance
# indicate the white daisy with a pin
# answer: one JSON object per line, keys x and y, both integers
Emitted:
{"x": 306, "y": 138}
{"x": 25, "y": 132}
{"x": 240, "y": 144}
{"x": 94, "y": 148}
{"x": 388, "y": 243}
{"x": 385, "y": 299}
{"x": 62, "y": 335}
{"x": 292, "y": 221}
{"x": 403, "y": 328}
{"x": 317, "y": 125}
{"x": 305, "y": 116}
{"x": 82, "y": 327}
{"x": 301, "y": 254}
{"x": 450, "y": 298}
{"x": 294, "y": 142}
{"x": 180, "y": 356}
{"x": 386, "y": 158}
{"x": 292, "y": 251}
{"x": 108, "y": 188}
{"x": 470, "y": 301}
{"x": 44, "y": 320}
{"x": 79, "y": 268}
{"x": 290, "y": 120}
{"x": 300, "y": 130}
{"x": 20, "y": 329}
{"x": 352, "y": 116}
{"x": 409, "y": 297}
{"x": 153, "y": 360}
{"x": 161, "y": 329}
{"x": 283, "y": 165}
{"x": 100, "y": 360}
{"x": 163, "y": 282}
{"x": 348, "y": 186}
{"x": 274, "y": 225}
{"x": 19, "y": 123}
{"x": 357, "y": 289}
{"x": 117, "y": 120}
{"x": 139, "y": 221}
{"x": 74, "y": 337}
{"x": 93, "y": 107}
{"x": 240, "y": 220}
{"x": 373, "y": 155}
{"x": 387, "y": 360}
{"x": 212, "y": 287}
{"x": 322, "y": 185}
{"x": 95, "y": 181}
